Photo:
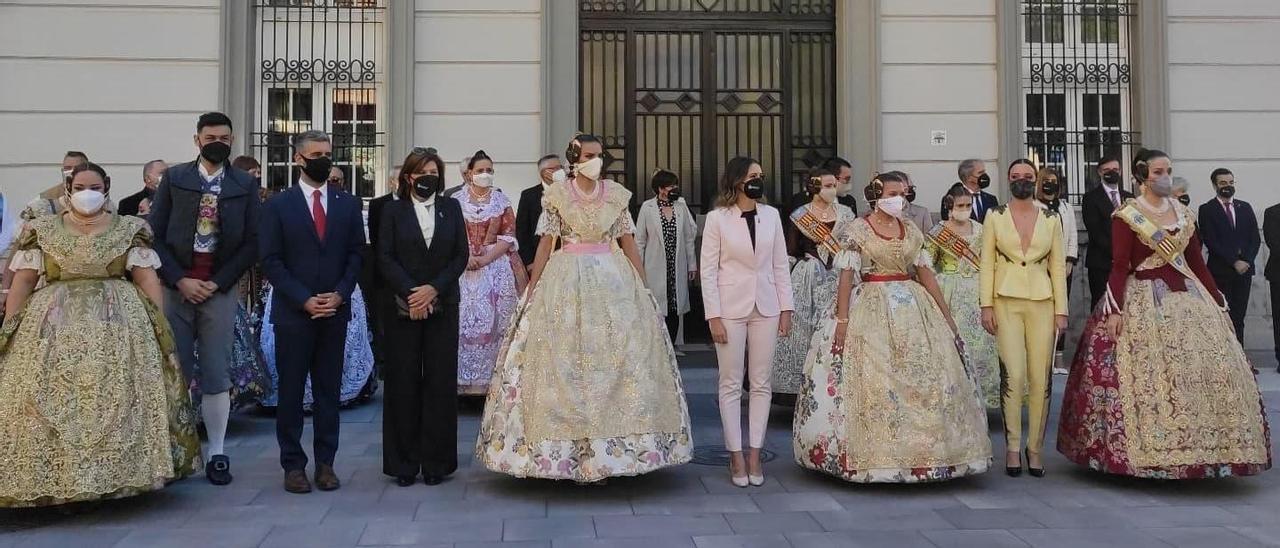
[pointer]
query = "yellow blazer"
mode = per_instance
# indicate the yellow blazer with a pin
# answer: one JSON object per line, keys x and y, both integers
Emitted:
{"x": 1037, "y": 275}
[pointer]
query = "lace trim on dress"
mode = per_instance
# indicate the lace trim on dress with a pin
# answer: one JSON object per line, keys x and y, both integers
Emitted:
{"x": 142, "y": 257}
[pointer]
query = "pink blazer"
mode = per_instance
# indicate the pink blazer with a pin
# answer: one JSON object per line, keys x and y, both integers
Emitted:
{"x": 737, "y": 279}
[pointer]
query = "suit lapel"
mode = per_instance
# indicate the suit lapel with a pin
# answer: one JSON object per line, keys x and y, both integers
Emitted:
{"x": 302, "y": 208}
{"x": 409, "y": 218}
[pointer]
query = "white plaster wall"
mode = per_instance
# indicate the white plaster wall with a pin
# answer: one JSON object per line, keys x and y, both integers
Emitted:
{"x": 1224, "y": 70}
{"x": 121, "y": 81}
{"x": 938, "y": 72}
{"x": 477, "y": 81}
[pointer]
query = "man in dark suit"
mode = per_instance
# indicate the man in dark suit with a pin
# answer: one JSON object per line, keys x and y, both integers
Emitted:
{"x": 152, "y": 174}
{"x": 843, "y": 171}
{"x": 1096, "y": 206}
{"x": 1271, "y": 233}
{"x": 973, "y": 175}
{"x": 310, "y": 242}
{"x": 205, "y": 219}
{"x": 530, "y": 207}
{"x": 1229, "y": 228}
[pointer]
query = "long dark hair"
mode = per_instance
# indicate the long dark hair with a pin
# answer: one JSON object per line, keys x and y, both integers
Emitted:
{"x": 734, "y": 172}
{"x": 412, "y": 164}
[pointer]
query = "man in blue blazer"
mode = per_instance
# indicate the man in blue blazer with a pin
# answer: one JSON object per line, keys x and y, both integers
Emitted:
{"x": 310, "y": 241}
{"x": 1229, "y": 228}
{"x": 973, "y": 176}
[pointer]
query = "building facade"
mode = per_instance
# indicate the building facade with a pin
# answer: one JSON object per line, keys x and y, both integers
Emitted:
{"x": 916, "y": 85}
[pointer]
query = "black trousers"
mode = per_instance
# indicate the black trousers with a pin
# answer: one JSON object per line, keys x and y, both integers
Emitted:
{"x": 1275, "y": 325}
{"x": 315, "y": 348}
{"x": 673, "y": 326}
{"x": 1097, "y": 285}
{"x": 420, "y": 401}
{"x": 1235, "y": 288}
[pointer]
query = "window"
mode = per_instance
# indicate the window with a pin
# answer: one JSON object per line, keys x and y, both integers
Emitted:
{"x": 1100, "y": 22}
{"x": 1044, "y": 21}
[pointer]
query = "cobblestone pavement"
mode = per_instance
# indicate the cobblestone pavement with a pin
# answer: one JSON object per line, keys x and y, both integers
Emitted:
{"x": 691, "y": 505}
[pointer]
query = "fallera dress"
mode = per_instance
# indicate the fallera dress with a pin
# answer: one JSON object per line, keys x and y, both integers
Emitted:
{"x": 586, "y": 385}
{"x": 94, "y": 404}
{"x": 488, "y": 295}
{"x": 898, "y": 405}
{"x": 1174, "y": 397}
{"x": 955, "y": 259}
{"x": 813, "y": 284}
{"x": 358, "y": 381}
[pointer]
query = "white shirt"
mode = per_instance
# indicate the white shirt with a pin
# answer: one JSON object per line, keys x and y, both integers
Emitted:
{"x": 1113, "y": 193}
{"x": 205, "y": 173}
{"x": 426, "y": 212}
{"x": 308, "y": 193}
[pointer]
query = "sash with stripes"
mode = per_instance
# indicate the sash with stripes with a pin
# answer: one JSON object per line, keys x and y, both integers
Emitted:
{"x": 815, "y": 230}
{"x": 954, "y": 244}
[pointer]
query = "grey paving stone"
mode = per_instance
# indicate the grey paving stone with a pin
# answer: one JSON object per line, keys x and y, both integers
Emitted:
{"x": 660, "y": 526}
{"x": 96, "y": 537}
{"x": 331, "y": 535}
{"x": 694, "y": 504}
{"x": 796, "y": 502}
{"x": 857, "y": 498}
{"x": 1070, "y": 518}
{"x": 719, "y": 484}
{"x": 1002, "y": 518}
{"x": 1182, "y": 516}
{"x": 882, "y": 519}
{"x": 222, "y": 537}
{"x": 1088, "y": 538}
{"x": 361, "y": 512}
{"x": 586, "y": 504}
{"x": 1266, "y": 536}
{"x": 516, "y": 529}
{"x": 448, "y": 530}
{"x": 648, "y": 542}
{"x": 974, "y": 539}
{"x": 740, "y": 541}
{"x": 257, "y": 514}
{"x": 492, "y": 508}
{"x": 1202, "y": 537}
{"x": 773, "y": 522}
{"x": 860, "y": 539}
{"x": 519, "y": 544}
{"x": 993, "y": 500}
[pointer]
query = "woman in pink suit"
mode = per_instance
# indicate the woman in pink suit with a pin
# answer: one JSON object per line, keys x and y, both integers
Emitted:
{"x": 746, "y": 290}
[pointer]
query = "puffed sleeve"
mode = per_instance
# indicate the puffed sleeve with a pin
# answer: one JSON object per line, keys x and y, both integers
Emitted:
{"x": 27, "y": 254}
{"x": 622, "y": 226}
{"x": 549, "y": 223}
{"x": 141, "y": 255}
{"x": 850, "y": 255}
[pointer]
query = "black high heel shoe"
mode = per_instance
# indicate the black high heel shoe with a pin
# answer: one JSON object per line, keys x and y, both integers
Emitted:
{"x": 1035, "y": 472}
{"x": 1013, "y": 471}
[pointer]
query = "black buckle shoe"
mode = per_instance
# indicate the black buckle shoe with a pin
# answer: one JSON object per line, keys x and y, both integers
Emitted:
{"x": 218, "y": 470}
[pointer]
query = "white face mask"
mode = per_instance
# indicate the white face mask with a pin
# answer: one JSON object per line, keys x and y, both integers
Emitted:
{"x": 88, "y": 202}
{"x": 892, "y": 206}
{"x": 482, "y": 180}
{"x": 558, "y": 176}
{"x": 960, "y": 214}
{"x": 828, "y": 195}
{"x": 590, "y": 168}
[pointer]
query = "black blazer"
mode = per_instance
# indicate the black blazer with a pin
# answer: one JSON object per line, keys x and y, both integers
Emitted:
{"x": 1096, "y": 209}
{"x": 376, "y": 207}
{"x": 989, "y": 202}
{"x": 527, "y": 214}
{"x": 1271, "y": 233}
{"x": 404, "y": 258}
{"x": 175, "y": 209}
{"x": 131, "y": 203}
{"x": 298, "y": 264}
{"x": 1226, "y": 244}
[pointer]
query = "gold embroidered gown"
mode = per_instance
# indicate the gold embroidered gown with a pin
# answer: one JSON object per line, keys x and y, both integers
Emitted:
{"x": 92, "y": 403}
{"x": 899, "y": 404}
{"x": 956, "y": 262}
{"x": 586, "y": 385}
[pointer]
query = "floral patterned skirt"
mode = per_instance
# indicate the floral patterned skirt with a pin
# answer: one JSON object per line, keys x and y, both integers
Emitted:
{"x": 586, "y": 385}
{"x": 1173, "y": 398}
{"x": 898, "y": 405}
{"x": 961, "y": 294}
{"x": 488, "y": 298}
{"x": 814, "y": 287}
{"x": 358, "y": 381}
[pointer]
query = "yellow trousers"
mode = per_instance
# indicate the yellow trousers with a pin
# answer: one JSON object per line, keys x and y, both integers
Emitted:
{"x": 1024, "y": 340}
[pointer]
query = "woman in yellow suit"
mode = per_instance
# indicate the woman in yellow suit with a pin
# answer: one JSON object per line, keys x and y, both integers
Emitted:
{"x": 1023, "y": 294}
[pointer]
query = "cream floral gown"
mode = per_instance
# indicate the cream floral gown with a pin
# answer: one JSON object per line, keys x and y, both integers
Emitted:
{"x": 92, "y": 403}
{"x": 586, "y": 385}
{"x": 899, "y": 404}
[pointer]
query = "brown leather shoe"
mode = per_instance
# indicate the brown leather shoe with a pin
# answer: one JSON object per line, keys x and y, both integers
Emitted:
{"x": 295, "y": 481}
{"x": 326, "y": 480}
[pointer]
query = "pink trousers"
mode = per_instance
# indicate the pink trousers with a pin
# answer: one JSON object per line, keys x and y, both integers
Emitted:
{"x": 753, "y": 337}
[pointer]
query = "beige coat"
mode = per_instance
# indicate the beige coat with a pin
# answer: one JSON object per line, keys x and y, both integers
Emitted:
{"x": 649, "y": 240}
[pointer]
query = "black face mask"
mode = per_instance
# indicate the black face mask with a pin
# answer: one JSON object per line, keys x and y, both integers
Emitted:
{"x": 1112, "y": 178}
{"x": 1227, "y": 192}
{"x": 984, "y": 181}
{"x": 1185, "y": 199}
{"x": 1022, "y": 189}
{"x": 215, "y": 152}
{"x": 1049, "y": 189}
{"x": 317, "y": 169}
{"x": 673, "y": 195}
{"x": 754, "y": 188}
{"x": 911, "y": 196}
{"x": 426, "y": 185}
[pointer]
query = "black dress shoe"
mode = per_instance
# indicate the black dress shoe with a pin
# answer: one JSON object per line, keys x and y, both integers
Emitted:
{"x": 1013, "y": 471}
{"x": 406, "y": 481}
{"x": 432, "y": 479}
{"x": 218, "y": 470}
{"x": 1035, "y": 472}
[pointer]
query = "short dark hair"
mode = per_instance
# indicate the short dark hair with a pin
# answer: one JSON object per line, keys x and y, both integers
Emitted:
{"x": 1108, "y": 159}
{"x": 147, "y": 166}
{"x": 663, "y": 179}
{"x": 548, "y": 157}
{"x": 834, "y": 163}
{"x": 412, "y": 163}
{"x": 245, "y": 163}
{"x": 479, "y": 155}
{"x": 213, "y": 119}
{"x": 1213, "y": 177}
{"x": 76, "y": 154}
{"x": 1020, "y": 162}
